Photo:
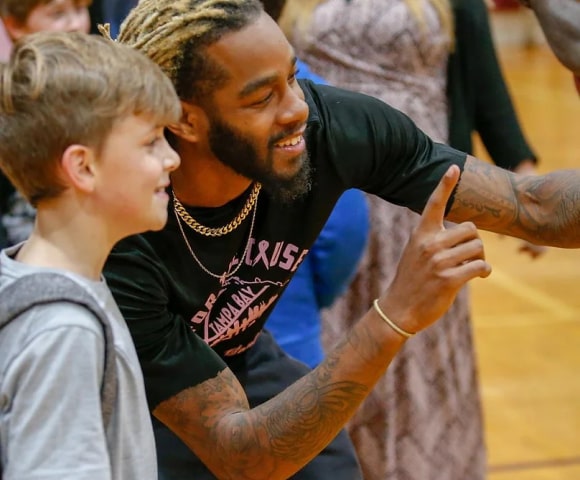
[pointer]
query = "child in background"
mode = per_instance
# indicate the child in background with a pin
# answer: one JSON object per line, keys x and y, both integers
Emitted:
{"x": 17, "y": 19}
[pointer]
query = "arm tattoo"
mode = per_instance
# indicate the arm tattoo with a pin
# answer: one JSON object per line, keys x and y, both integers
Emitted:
{"x": 308, "y": 419}
{"x": 276, "y": 438}
{"x": 543, "y": 209}
{"x": 478, "y": 204}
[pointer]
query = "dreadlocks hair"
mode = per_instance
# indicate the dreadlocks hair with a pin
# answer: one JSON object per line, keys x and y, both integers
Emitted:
{"x": 274, "y": 8}
{"x": 175, "y": 33}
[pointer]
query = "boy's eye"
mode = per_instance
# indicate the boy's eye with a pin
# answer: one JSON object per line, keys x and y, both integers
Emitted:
{"x": 153, "y": 142}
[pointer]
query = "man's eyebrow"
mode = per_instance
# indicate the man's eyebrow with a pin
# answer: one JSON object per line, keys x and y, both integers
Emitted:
{"x": 256, "y": 85}
{"x": 261, "y": 82}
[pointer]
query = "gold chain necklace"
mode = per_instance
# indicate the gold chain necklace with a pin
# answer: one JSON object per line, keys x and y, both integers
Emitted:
{"x": 216, "y": 232}
{"x": 225, "y": 275}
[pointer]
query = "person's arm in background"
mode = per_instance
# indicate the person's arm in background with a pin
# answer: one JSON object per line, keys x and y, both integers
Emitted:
{"x": 476, "y": 79}
{"x": 560, "y": 21}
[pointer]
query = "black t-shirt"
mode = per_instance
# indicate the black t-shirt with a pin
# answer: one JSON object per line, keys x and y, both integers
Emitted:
{"x": 354, "y": 141}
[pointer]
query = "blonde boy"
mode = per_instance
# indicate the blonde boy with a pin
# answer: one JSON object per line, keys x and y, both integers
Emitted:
{"x": 81, "y": 137}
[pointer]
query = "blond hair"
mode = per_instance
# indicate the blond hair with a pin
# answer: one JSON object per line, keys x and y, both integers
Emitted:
{"x": 443, "y": 8}
{"x": 175, "y": 33}
{"x": 297, "y": 14}
{"x": 60, "y": 89}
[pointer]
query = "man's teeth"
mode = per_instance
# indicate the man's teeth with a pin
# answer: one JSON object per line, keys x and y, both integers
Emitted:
{"x": 290, "y": 143}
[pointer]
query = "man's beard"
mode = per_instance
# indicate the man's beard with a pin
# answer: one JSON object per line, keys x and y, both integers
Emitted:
{"x": 238, "y": 152}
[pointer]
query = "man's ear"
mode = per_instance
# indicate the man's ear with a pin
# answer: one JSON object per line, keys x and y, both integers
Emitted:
{"x": 193, "y": 124}
{"x": 14, "y": 28}
{"x": 78, "y": 167}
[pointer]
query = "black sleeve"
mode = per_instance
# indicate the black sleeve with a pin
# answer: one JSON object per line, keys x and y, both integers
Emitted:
{"x": 172, "y": 356}
{"x": 6, "y": 189}
{"x": 495, "y": 117}
{"x": 376, "y": 148}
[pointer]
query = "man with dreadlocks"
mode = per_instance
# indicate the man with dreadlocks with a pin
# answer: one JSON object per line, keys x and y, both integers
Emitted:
{"x": 247, "y": 203}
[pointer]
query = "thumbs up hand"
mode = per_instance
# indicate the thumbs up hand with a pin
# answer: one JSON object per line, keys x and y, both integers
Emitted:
{"x": 436, "y": 264}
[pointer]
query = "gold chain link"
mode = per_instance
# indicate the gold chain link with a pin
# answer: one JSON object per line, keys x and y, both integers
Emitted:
{"x": 217, "y": 232}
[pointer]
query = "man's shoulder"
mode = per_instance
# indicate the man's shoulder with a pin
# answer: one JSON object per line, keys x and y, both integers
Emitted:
{"x": 318, "y": 95}
{"x": 330, "y": 105}
{"x": 323, "y": 99}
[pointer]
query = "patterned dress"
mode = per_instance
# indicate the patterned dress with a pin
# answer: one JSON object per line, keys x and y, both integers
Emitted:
{"x": 423, "y": 421}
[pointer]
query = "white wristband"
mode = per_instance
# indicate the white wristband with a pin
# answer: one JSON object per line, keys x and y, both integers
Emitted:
{"x": 389, "y": 322}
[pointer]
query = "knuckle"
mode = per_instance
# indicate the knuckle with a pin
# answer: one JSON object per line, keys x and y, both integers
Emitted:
{"x": 448, "y": 280}
{"x": 470, "y": 227}
{"x": 427, "y": 249}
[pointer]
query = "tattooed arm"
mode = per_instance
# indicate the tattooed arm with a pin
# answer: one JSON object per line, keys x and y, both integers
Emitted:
{"x": 543, "y": 209}
{"x": 277, "y": 438}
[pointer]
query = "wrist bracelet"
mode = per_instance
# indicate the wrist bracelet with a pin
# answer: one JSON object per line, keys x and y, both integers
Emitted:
{"x": 389, "y": 322}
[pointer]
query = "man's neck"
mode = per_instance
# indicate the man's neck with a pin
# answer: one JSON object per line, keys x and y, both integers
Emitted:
{"x": 203, "y": 181}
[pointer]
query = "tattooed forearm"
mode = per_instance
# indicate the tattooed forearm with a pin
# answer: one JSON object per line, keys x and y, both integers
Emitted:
{"x": 543, "y": 209}
{"x": 275, "y": 439}
{"x": 319, "y": 403}
{"x": 557, "y": 215}
{"x": 486, "y": 207}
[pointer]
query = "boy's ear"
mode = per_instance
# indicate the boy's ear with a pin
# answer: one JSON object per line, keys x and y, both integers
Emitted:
{"x": 14, "y": 28}
{"x": 78, "y": 166}
{"x": 192, "y": 125}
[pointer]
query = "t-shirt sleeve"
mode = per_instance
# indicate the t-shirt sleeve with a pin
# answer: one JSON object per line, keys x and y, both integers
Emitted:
{"x": 376, "y": 148}
{"x": 172, "y": 356}
{"x": 54, "y": 426}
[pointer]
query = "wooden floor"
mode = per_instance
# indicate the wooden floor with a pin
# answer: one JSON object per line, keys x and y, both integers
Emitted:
{"x": 527, "y": 313}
